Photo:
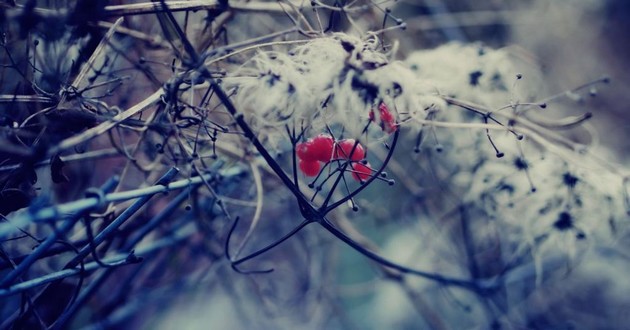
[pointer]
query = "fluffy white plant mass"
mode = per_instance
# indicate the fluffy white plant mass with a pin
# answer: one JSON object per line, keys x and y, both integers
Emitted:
{"x": 539, "y": 199}
{"x": 334, "y": 80}
{"x": 544, "y": 207}
{"x": 546, "y": 198}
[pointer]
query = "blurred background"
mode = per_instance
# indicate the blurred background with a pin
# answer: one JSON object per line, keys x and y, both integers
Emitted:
{"x": 185, "y": 280}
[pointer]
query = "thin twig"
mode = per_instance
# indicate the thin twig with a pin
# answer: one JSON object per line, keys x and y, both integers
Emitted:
{"x": 27, "y": 99}
{"x": 60, "y": 211}
{"x": 259, "y": 201}
{"x": 117, "y": 260}
{"x": 50, "y": 240}
{"x": 106, "y": 126}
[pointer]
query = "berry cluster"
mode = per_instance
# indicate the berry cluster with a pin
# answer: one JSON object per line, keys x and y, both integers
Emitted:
{"x": 388, "y": 122}
{"x": 323, "y": 148}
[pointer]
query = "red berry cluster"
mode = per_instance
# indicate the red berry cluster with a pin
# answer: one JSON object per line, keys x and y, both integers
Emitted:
{"x": 388, "y": 122}
{"x": 323, "y": 148}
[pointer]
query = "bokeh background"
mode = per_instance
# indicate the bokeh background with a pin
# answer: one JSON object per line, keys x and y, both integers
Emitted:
{"x": 318, "y": 282}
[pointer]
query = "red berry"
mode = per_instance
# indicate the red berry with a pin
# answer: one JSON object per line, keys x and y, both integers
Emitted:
{"x": 344, "y": 149}
{"x": 322, "y": 147}
{"x": 388, "y": 122}
{"x": 386, "y": 115}
{"x": 388, "y": 119}
{"x": 361, "y": 172}
{"x": 309, "y": 168}
{"x": 305, "y": 152}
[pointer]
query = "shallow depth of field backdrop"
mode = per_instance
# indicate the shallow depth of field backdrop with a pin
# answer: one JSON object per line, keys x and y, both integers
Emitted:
{"x": 326, "y": 164}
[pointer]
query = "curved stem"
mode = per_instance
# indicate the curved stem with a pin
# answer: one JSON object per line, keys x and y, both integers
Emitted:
{"x": 466, "y": 284}
{"x": 197, "y": 63}
{"x": 274, "y": 244}
{"x": 343, "y": 170}
{"x": 249, "y": 133}
{"x": 329, "y": 208}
